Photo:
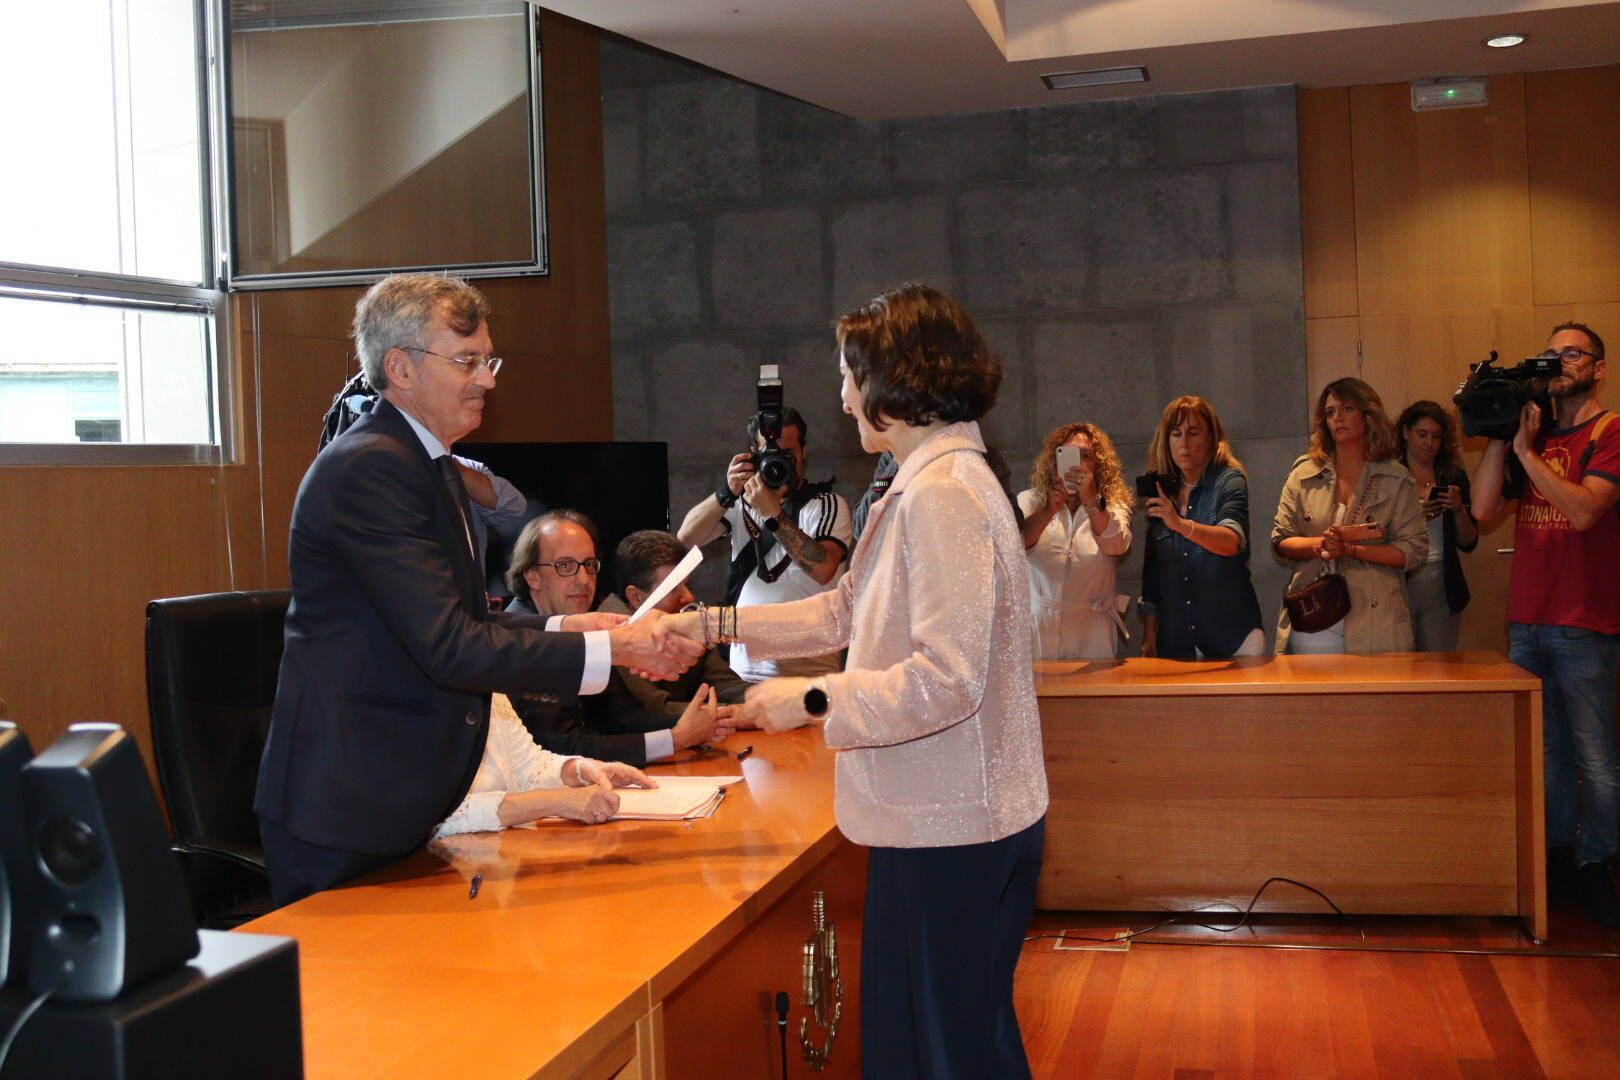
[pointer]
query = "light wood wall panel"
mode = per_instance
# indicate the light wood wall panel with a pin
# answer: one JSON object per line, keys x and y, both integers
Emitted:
{"x": 1474, "y": 229}
{"x": 1327, "y": 183}
{"x": 1574, "y": 184}
{"x": 1442, "y": 208}
{"x": 88, "y": 547}
{"x": 1425, "y": 354}
{"x": 1332, "y": 351}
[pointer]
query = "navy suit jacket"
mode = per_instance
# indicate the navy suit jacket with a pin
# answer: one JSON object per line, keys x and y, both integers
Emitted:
{"x": 382, "y": 706}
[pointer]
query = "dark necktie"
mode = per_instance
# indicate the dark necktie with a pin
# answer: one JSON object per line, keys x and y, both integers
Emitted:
{"x": 458, "y": 495}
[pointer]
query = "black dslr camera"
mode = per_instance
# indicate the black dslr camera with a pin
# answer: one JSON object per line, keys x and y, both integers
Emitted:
{"x": 1148, "y": 485}
{"x": 1491, "y": 398}
{"x": 773, "y": 464}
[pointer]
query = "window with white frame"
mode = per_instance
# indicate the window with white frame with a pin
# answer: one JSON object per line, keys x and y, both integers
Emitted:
{"x": 109, "y": 304}
{"x": 163, "y": 152}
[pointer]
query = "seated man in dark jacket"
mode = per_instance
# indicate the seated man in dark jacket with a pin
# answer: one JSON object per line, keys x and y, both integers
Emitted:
{"x": 641, "y": 563}
{"x": 553, "y": 572}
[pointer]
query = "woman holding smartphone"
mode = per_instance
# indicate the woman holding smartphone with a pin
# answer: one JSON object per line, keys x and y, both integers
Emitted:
{"x": 1348, "y": 503}
{"x": 1197, "y": 598}
{"x": 1077, "y": 528}
{"x": 1436, "y": 591}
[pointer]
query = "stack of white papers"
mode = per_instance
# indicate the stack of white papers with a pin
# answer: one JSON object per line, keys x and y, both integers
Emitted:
{"x": 676, "y": 798}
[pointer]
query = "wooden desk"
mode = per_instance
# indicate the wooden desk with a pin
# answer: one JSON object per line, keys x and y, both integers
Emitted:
{"x": 1396, "y": 784}
{"x": 633, "y": 949}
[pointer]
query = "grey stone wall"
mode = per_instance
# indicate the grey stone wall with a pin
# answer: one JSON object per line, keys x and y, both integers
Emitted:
{"x": 1115, "y": 254}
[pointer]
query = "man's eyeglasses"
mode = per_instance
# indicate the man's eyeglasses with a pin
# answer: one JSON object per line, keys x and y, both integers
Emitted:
{"x": 570, "y": 567}
{"x": 1569, "y": 354}
{"x": 469, "y": 365}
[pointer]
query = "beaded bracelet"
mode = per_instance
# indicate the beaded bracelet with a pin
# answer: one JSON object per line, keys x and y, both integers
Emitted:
{"x": 722, "y": 615}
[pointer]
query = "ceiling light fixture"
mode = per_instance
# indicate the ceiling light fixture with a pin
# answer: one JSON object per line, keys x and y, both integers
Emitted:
{"x": 1070, "y": 80}
{"x": 1505, "y": 41}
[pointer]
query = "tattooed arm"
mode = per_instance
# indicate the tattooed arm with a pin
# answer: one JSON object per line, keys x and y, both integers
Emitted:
{"x": 818, "y": 558}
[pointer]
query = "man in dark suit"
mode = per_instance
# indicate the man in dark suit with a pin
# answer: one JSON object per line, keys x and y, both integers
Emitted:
{"x": 382, "y": 707}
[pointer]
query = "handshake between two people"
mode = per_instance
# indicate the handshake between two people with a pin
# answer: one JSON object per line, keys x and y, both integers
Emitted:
{"x": 773, "y": 705}
{"x": 655, "y": 646}
{"x": 662, "y": 646}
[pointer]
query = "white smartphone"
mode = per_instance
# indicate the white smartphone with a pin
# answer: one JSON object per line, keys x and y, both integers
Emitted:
{"x": 1068, "y": 457}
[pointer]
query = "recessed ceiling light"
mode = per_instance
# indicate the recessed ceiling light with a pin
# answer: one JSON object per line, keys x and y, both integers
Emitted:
{"x": 1505, "y": 41}
{"x": 1069, "y": 80}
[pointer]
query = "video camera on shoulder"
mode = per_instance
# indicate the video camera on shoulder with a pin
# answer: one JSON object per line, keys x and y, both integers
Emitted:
{"x": 1491, "y": 398}
{"x": 1148, "y": 485}
{"x": 773, "y": 464}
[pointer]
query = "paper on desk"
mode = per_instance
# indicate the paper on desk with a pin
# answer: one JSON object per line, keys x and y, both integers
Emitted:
{"x": 683, "y": 570}
{"x": 676, "y": 798}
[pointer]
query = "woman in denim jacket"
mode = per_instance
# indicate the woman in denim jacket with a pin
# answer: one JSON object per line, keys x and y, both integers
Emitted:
{"x": 1197, "y": 598}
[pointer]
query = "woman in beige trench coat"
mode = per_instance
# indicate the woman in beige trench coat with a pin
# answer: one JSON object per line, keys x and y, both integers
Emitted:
{"x": 1351, "y": 476}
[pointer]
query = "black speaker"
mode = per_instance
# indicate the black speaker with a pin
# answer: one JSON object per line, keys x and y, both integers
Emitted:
{"x": 15, "y": 868}
{"x": 112, "y": 908}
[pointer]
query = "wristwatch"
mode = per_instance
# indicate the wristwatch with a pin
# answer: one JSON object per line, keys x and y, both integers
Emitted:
{"x": 815, "y": 700}
{"x": 723, "y": 494}
{"x": 771, "y": 523}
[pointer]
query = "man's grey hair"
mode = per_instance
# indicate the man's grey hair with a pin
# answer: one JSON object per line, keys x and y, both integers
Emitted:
{"x": 395, "y": 313}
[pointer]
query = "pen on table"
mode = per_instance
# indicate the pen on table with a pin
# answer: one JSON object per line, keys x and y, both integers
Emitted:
{"x": 472, "y": 890}
{"x": 744, "y": 752}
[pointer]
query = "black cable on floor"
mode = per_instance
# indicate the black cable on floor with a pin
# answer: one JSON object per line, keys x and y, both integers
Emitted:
{"x": 1179, "y": 917}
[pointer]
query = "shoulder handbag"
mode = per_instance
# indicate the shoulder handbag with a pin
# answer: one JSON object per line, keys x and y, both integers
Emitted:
{"x": 1314, "y": 607}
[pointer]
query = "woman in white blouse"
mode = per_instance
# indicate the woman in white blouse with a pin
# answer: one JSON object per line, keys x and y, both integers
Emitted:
{"x": 1077, "y": 528}
{"x": 519, "y": 781}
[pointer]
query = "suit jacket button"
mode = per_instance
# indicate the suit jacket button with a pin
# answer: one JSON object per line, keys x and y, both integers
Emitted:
{"x": 472, "y": 718}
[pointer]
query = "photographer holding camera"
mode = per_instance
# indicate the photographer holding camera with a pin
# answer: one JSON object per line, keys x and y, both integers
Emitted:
{"x": 788, "y": 541}
{"x": 1564, "y": 605}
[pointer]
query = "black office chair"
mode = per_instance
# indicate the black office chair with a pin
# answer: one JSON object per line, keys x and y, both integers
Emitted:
{"x": 211, "y": 667}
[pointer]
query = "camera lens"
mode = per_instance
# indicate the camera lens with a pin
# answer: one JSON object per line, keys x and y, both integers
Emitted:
{"x": 774, "y": 470}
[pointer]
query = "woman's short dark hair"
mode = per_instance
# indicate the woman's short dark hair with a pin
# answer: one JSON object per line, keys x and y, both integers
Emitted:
{"x": 918, "y": 358}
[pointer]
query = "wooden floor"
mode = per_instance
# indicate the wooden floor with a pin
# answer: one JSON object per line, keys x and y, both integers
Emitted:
{"x": 1377, "y": 1006}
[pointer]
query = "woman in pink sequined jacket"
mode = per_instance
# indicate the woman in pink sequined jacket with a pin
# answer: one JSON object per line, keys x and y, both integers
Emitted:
{"x": 940, "y": 770}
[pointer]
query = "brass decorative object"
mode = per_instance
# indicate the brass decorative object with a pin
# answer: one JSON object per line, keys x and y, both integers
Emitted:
{"x": 823, "y": 988}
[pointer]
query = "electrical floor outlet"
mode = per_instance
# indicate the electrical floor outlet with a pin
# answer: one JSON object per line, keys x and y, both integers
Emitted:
{"x": 1081, "y": 940}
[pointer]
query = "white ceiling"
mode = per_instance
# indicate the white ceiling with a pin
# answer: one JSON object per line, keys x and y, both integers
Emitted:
{"x": 876, "y": 59}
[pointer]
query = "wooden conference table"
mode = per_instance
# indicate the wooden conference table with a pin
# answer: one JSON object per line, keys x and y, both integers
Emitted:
{"x": 636, "y": 949}
{"x": 631, "y": 949}
{"x": 1396, "y": 784}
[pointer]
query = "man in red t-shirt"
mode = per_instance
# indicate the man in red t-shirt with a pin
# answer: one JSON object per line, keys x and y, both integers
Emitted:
{"x": 1564, "y": 608}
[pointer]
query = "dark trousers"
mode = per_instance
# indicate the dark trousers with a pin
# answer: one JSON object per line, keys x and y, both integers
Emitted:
{"x": 299, "y": 868}
{"x": 943, "y": 929}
